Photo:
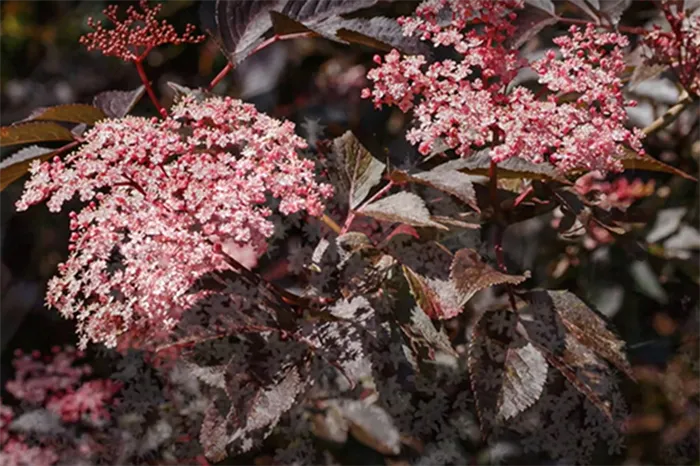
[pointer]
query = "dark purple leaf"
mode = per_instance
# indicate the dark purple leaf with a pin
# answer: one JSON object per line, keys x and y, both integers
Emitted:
{"x": 508, "y": 374}
{"x": 530, "y": 21}
{"x": 450, "y": 181}
{"x": 361, "y": 169}
{"x": 371, "y": 425}
{"x": 242, "y": 24}
{"x": 403, "y": 207}
{"x": 471, "y": 274}
{"x": 590, "y": 329}
{"x": 607, "y": 11}
{"x": 118, "y": 104}
{"x": 544, "y": 5}
{"x": 378, "y": 32}
{"x": 479, "y": 163}
{"x": 315, "y": 11}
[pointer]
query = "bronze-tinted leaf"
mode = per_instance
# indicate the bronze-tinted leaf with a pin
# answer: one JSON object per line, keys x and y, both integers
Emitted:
{"x": 118, "y": 104}
{"x": 14, "y": 167}
{"x": 35, "y": 131}
{"x": 74, "y": 113}
{"x": 514, "y": 167}
{"x": 403, "y": 207}
{"x": 361, "y": 169}
{"x": 371, "y": 425}
{"x": 507, "y": 373}
{"x": 589, "y": 328}
{"x": 212, "y": 435}
{"x": 377, "y": 32}
{"x": 634, "y": 161}
{"x": 426, "y": 297}
{"x": 524, "y": 376}
{"x": 471, "y": 274}
{"x": 265, "y": 410}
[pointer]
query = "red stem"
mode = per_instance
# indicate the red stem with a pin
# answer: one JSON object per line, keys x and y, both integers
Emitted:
{"x": 353, "y": 213}
{"x": 498, "y": 235}
{"x": 521, "y": 197}
{"x": 267, "y": 42}
{"x": 144, "y": 79}
{"x": 221, "y": 75}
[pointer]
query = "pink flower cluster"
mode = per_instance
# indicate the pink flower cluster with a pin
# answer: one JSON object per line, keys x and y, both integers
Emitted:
{"x": 131, "y": 39}
{"x": 619, "y": 193}
{"x": 469, "y": 104}
{"x": 679, "y": 48}
{"x": 167, "y": 199}
{"x": 54, "y": 382}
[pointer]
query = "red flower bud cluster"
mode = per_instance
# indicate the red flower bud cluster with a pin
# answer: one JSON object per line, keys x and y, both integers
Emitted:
{"x": 132, "y": 38}
{"x": 678, "y": 48}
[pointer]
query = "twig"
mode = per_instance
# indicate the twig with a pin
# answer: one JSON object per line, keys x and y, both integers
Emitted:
{"x": 353, "y": 212}
{"x": 276, "y": 38}
{"x": 499, "y": 228}
{"x": 330, "y": 223}
{"x": 144, "y": 79}
{"x": 222, "y": 74}
{"x": 671, "y": 114}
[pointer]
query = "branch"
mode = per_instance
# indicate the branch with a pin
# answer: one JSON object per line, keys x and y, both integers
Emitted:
{"x": 671, "y": 114}
{"x": 144, "y": 79}
{"x": 276, "y": 38}
{"x": 499, "y": 228}
{"x": 353, "y": 213}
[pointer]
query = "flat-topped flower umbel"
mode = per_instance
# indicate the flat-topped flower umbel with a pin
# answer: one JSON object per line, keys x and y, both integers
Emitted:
{"x": 162, "y": 195}
{"x": 472, "y": 103}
